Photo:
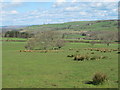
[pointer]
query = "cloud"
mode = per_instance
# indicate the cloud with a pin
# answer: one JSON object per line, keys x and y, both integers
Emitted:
{"x": 95, "y": 1}
{"x": 14, "y": 12}
{"x": 72, "y": 8}
{"x": 1, "y": 0}
{"x": 60, "y": 0}
{"x": 59, "y": 3}
{"x": 17, "y": 0}
{"x": 9, "y": 12}
{"x": 64, "y": 12}
{"x": 74, "y": 0}
{"x": 8, "y": 5}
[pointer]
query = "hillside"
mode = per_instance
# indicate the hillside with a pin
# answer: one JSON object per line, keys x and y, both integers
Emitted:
{"x": 9, "y": 28}
{"x": 77, "y": 26}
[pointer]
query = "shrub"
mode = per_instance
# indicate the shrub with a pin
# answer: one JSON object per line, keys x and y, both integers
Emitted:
{"x": 70, "y": 49}
{"x": 92, "y": 52}
{"x": 79, "y": 58}
{"x": 92, "y": 58}
{"x": 102, "y": 57}
{"x": 70, "y": 55}
{"x": 77, "y": 51}
{"x": 99, "y": 78}
{"x": 118, "y": 52}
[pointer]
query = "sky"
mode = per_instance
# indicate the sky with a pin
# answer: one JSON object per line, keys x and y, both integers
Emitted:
{"x": 18, "y": 12}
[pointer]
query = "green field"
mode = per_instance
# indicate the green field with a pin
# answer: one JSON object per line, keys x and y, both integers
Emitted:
{"x": 4, "y": 38}
{"x": 81, "y": 40}
{"x": 55, "y": 69}
{"x": 98, "y": 25}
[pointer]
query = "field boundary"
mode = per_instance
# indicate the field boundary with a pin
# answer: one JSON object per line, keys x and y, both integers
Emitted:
{"x": 40, "y": 51}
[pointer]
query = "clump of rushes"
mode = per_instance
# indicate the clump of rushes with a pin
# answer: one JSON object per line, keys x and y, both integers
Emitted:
{"x": 99, "y": 78}
{"x": 80, "y": 57}
{"x": 70, "y": 55}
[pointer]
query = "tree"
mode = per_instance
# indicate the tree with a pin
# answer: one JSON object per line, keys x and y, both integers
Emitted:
{"x": 17, "y": 34}
{"x": 59, "y": 43}
{"x": 108, "y": 37}
{"x": 30, "y": 44}
{"x": 45, "y": 40}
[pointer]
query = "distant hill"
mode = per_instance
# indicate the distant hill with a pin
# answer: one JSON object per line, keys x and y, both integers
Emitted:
{"x": 13, "y": 27}
{"x": 9, "y": 28}
{"x": 69, "y": 26}
{"x": 77, "y": 26}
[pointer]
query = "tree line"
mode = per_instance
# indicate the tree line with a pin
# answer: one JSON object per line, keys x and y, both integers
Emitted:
{"x": 18, "y": 34}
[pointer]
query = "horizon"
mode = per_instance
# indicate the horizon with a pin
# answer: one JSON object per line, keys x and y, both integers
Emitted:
{"x": 40, "y": 13}
{"x": 56, "y": 23}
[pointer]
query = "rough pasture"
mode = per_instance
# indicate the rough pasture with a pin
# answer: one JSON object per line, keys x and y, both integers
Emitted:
{"x": 56, "y": 70}
{"x": 101, "y": 49}
{"x": 45, "y": 51}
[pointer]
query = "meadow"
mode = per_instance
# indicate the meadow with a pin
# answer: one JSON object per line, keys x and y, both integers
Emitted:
{"x": 55, "y": 69}
{"x": 5, "y": 38}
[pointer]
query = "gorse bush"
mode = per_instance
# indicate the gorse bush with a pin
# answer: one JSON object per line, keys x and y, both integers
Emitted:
{"x": 99, "y": 78}
{"x": 79, "y": 57}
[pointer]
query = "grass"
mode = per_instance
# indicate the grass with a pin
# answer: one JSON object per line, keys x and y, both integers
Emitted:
{"x": 77, "y": 26}
{"x": 13, "y": 38}
{"x": 56, "y": 70}
{"x": 81, "y": 40}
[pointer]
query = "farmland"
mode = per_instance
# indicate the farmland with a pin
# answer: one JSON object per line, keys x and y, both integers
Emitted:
{"x": 77, "y": 26}
{"x": 55, "y": 69}
{"x": 87, "y": 49}
{"x": 60, "y": 44}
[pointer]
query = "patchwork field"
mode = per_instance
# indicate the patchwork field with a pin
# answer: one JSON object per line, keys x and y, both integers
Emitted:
{"x": 55, "y": 69}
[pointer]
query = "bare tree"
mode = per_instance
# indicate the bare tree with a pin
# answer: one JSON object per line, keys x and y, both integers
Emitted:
{"x": 108, "y": 36}
{"x": 45, "y": 40}
{"x": 31, "y": 43}
{"x": 59, "y": 43}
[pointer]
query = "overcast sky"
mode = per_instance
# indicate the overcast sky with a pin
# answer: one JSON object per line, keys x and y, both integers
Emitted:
{"x": 35, "y": 13}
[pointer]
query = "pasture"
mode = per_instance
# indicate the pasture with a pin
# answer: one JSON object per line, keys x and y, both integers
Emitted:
{"x": 55, "y": 69}
{"x": 12, "y": 38}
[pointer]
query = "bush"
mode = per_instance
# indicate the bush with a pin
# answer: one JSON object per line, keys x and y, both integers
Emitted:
{"x": 81, "y": 57}
{"x": 70, "y": 55}
{"x": 92, "y": 53}
{"x": 92, "y": 58}
{"x": 102, "y": 57}
{"x": 99, "y": 78}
